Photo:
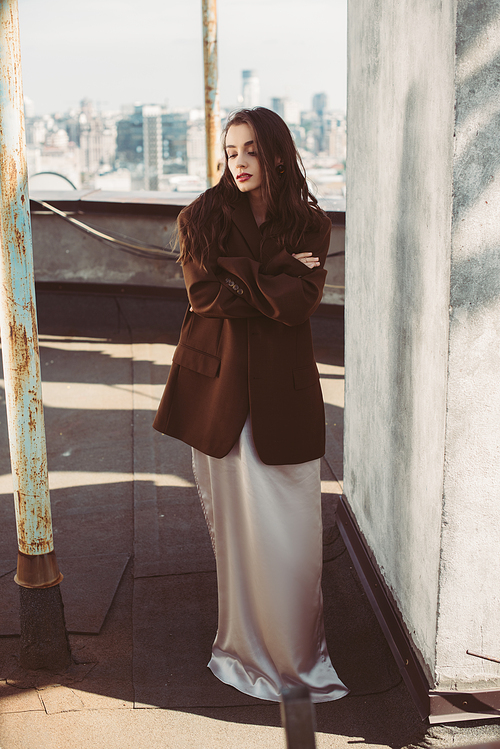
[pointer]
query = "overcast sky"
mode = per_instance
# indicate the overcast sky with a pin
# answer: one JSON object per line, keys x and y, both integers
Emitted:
{"x": 122, "y": 51}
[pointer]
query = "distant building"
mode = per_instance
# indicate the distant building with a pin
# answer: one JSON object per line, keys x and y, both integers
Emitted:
{"x": 337, "y": 138}
{"x": 59, "y": 159}
{"x": 129, "y": 137}
{"x": 109, "y": 144}
{"x": 57, "y": 139}
{"x": 29, "y": 108}
{"x": 196, "y": 149}
{"x": 288, "y": 109}
{"x": 320, "y": 103}
{"x": 250, "y": 89}
{"x": 72, "y": 127}
{"x": 35, "y": 132}
{"x": 174, "y": 134}
{"x": 153, "y": 153}
{"x": 90, "y": 144}
{"x": 96, "y": 137}
{"x": 153, "y": 148}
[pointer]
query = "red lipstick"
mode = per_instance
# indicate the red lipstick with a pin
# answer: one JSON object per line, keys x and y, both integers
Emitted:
{"x": 243, "y": 177}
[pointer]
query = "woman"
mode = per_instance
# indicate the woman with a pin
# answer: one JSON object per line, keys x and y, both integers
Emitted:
{"x": 244, "y": 392}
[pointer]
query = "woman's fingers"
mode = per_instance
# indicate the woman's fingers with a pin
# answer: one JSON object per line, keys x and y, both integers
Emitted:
{"x": 307, "y": 259}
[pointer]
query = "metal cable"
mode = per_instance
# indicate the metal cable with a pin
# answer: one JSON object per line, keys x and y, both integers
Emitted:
{"x": 118, "y": 241}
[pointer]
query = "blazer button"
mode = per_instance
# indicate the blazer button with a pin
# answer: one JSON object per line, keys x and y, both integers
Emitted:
{"x": 240, "y": 291}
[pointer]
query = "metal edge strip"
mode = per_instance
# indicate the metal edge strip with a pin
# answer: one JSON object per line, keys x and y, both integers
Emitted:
{"x": 375, "y": 590}
{"x": 437, "y": 706}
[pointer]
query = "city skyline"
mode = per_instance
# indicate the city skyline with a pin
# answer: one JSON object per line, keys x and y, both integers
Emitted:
{"x": 152, "y": 148}
{"x": 298, "y": 51}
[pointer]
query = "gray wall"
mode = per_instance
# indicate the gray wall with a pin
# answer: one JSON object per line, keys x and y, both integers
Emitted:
{"x": 62, "y": 253}
{"x": 469, "y": 601}
{"x": 66, "y": 254}
{"x": 421, "y": 380}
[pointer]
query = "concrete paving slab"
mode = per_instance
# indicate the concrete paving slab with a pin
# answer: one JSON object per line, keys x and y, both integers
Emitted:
{"x": 181, "y": 533}
{"x": 123, "y": 729}
{"x": 59, "y": 699}
{"x": 110, "y": 653}
{"x": 97, "y": 694}
{"x": 173, "y": 636}
{"x": 93, "y": 518}
{"x": 112, "y": 480}
{"x": 86, "y": 578}
{"x": 353, "y": 721}
{"x": 15, "y": 676}
{"x": 16, "y": 700}
{"x": 6, "y": 566}
{"x": 175, "y": 620}
{"x": 169, "y": 528}
{"x": 332, "y": 384}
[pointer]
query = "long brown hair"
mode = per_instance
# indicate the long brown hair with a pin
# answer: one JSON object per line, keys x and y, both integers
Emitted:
{"x": 291, "y": 208}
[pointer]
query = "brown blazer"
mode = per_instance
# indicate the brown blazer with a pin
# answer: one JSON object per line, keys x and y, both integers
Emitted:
{"x": 247, "y": 347}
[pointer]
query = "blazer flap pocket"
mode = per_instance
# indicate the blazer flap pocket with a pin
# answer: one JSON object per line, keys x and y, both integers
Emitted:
{"x": 304, "y": 377}
{"x": 197, "y": 361}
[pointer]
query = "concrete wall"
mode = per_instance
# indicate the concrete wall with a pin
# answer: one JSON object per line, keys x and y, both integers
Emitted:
{"x": 469, "y": 601}
{"x": 65, "y": 254}
{"x": 423, "y": 378}
{"x": 62, "y": 253}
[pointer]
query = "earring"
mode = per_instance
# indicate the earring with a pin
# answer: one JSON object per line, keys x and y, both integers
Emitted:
{"x": 280, "y": 169}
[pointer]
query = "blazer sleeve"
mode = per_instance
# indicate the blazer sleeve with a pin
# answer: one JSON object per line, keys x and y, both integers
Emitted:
{"x": 210, "y": 298}
{"x": 283, "y": 289}
{"x": 207, "y": 296}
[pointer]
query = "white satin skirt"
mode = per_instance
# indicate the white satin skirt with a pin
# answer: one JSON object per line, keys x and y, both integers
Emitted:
{"x": 266, "y": 531}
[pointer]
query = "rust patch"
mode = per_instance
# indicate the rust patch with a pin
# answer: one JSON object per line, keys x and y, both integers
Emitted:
{"x": 34, "y": 524}
{"x": 32, "y": 420}
{"x": 21, "y": 503}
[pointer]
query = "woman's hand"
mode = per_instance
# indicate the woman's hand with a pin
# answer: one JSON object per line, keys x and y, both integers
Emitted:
{"x": 307, "y": 259}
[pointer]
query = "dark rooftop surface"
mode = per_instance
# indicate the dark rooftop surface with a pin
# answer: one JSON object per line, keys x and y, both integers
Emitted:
{"x": 140, "y": 584}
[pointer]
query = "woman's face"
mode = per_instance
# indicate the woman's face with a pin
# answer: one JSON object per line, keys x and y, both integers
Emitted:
{"x": 242, "y": 157}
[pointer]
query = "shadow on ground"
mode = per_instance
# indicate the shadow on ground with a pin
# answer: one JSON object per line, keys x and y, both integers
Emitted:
{"x": 159, "y": 610}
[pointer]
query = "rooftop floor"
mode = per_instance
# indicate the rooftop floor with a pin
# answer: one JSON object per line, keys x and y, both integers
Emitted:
{"x": 140, "y": 583}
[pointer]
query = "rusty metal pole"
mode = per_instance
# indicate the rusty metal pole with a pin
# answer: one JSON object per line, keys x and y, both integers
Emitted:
{"x": 212, "y": 110}
{"x": 37, "y": 567}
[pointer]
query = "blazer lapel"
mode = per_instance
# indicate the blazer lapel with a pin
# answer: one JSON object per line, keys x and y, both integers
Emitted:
{"x": 244, "y": 220}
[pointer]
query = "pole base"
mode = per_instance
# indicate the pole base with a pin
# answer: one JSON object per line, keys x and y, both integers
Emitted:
{"x": 40, "y": 571}
{"x": 44, "y": 641}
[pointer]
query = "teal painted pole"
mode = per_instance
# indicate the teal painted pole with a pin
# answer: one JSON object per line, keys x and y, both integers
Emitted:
{"x": 37, "y": 565}
{"x": 211, "y": 77}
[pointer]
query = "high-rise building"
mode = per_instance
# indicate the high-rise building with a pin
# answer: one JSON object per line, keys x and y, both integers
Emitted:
{"x": 129, "y": 137}
{"x": 288, "y": 109}
{"x": 250, "y": 89}
{"x": 35, "y": 132}
{"x": 153, "y": 156}
{"x": 196, "y": 149}
{"x": 321, "y": 123}
{"x": 337, "y": 138}
{"x": 90, "y": 143}
{"x": 175, "y": 125}
{"x": 29, "y": 108}
{"x": 320, "y": 103}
